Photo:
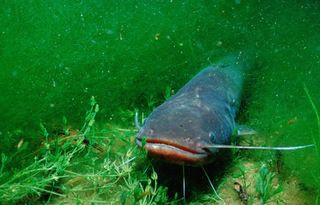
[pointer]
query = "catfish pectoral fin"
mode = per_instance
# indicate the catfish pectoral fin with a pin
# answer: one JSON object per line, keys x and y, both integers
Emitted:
{"x": 243, "y": 130}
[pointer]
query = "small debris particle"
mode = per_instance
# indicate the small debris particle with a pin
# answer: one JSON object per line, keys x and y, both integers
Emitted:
{"x": 219, "y": 43}
{"x": 292, "y": 120}
{"x": 157, "y": 36}
{"x": 243, "y": 195}
{"x": 20, "y": 143}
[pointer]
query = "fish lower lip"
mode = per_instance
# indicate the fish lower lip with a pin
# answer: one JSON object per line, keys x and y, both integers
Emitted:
{"x": 172, "y": 151}
{"x": 168, "y": 143}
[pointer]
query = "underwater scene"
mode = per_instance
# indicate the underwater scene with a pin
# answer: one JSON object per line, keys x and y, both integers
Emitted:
{"x": 160, "y": 102}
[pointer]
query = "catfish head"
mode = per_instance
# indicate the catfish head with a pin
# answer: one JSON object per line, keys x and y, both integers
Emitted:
{"x": 179, "y": 131}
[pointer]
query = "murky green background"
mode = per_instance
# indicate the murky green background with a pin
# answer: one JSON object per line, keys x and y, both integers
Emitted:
{"x": 55, "y": 55}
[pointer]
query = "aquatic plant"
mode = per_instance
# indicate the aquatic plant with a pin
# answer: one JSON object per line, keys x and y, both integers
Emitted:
{"x": 168, "y": 93}
{"x": 48, "y": 167}
{"x": 265, "y": 185}
{"x": 152, "y": 193}
{"x": 316, "y": 140}
{"x": 83, "y": 167}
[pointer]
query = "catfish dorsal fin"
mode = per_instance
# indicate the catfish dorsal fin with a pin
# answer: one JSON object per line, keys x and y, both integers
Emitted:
{"x": 217, "y": 146}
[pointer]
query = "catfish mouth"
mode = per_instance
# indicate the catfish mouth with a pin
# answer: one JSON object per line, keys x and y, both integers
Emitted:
{"x": 173, "y": 152}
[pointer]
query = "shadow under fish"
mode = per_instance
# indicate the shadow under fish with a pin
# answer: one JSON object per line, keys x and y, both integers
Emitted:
{"x": 193, "y": 181}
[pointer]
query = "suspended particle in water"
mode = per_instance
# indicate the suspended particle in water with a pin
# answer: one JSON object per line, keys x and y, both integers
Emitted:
{"x": 157, "y": 36}
{"x": 20, "y": 143}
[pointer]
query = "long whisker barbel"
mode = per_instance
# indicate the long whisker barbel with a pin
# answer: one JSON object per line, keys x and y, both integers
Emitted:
{"x": 258, "y": 148}
{"x": 211, "y": 185}
{"x": 184, "y": 185}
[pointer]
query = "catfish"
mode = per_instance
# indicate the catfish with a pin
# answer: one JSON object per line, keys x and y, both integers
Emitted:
{"x": 194, "y": 124}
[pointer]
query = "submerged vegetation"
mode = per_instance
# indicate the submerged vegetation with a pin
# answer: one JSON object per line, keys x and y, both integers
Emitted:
{"x": 74, "y": 169}
{"x": 101, "y": 164}
{"x": 264, "y": 185}
{"x": 316, "y": 141}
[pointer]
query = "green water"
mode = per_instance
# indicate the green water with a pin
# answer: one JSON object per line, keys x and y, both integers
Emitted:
{"x": 55, "y": 55}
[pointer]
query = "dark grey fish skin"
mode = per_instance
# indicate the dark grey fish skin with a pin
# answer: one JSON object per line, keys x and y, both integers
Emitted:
{"x": 200, "y": 114}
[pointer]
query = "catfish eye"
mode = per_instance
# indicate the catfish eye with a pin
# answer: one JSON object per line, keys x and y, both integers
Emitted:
{"x": 212, "y": 137}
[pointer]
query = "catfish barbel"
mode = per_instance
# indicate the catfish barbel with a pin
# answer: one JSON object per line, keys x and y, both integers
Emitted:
{"x": 191, "y": 126}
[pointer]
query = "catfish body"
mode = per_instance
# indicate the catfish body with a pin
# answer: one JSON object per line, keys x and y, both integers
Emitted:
{"x": 200, "y": 114}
